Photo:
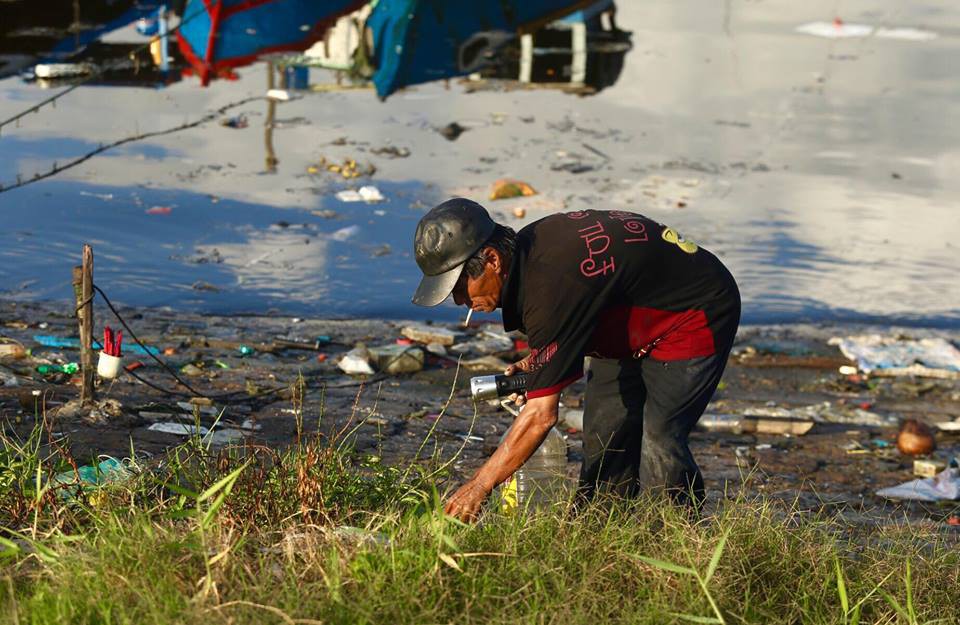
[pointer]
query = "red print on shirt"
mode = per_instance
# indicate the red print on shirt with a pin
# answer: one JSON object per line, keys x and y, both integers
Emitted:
{"x": 597, "y": 242}
{"x": 632, "y": 225}
{"x": 540, "y": 357}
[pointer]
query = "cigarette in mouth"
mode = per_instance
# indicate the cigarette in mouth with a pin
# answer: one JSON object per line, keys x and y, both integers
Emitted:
{"x": 466, "y": 322}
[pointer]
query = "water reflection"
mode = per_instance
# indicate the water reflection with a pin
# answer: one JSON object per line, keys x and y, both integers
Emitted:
{"x": 66, "y": 37}
{"x": 211, "y": 256}
{"x": 393, "y": 44}
{"x": 821, "y": 171}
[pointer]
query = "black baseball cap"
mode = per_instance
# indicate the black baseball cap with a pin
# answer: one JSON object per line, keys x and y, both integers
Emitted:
{"x": 446, "y": 238}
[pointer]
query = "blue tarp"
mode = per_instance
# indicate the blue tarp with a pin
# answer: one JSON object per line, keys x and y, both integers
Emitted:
{"x": 417, "y": 41}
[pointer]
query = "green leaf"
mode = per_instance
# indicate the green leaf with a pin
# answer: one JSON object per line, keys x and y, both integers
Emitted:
{"x": 717, "y": 553}
{"x": 449, "y": 542}
{"x": 211, "y": 512}
{"x": 180, "y": 490}
{"x": 11, "y": 548}
{"x": 42, "y": 551}
{"x": 183, "y": 514}
{"x": 895, "y": 604}
{"x": 224, "y": 483}
{"x": 693, "y": 618}
{"x": 841, "y": 588}
{"x": 222, "y": 489}
{"x": 910, "y": 611}
{"x": 668, "y": 566}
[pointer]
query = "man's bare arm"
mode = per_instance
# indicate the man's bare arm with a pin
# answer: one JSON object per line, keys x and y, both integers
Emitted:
{"x": 527, "y": 433}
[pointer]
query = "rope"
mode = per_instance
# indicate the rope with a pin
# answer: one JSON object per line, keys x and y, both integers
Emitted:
{"x": 151, "y": 354}
{"x": 103, "y": 148}
{"x": 221, "y": 397}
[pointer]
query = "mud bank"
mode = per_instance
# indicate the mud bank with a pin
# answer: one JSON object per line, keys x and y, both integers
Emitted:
{"x": 271, "y": 378}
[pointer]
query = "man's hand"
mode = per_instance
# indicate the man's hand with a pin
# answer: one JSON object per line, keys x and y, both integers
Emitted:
{"x": 524, "y": 365}
{"x": 465, "y": 503}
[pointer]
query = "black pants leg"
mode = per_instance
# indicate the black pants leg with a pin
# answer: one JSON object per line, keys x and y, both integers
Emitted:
{"x": 612, "y": 428}
{"x": 638, "y": 415}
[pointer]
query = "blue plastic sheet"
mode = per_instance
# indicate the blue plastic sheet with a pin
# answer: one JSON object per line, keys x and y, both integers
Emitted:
{"x": 92, "y": 476}
{"x": 69, "y": 342}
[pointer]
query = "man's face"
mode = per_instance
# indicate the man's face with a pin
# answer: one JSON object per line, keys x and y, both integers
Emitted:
{"x": 482, "y": 293}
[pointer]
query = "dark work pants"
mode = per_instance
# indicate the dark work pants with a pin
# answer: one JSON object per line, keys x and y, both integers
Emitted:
{"x": 638, "y": 415}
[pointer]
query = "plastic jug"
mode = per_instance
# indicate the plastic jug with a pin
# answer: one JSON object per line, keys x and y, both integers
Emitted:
{"x": 542, "y": 480}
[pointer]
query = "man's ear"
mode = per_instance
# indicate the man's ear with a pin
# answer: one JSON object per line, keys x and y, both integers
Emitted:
{"x": 493, "y": 258}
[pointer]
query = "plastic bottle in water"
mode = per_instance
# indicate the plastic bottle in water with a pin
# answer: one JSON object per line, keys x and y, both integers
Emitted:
{"x": 70, "y": 368}
{"x": 541, "y": 481}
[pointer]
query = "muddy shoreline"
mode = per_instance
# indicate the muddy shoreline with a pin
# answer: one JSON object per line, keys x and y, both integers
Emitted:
{"x": 387, "y": 417}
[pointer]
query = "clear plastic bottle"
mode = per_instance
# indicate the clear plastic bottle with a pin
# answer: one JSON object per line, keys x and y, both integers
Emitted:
{"x": 542, "y": 480}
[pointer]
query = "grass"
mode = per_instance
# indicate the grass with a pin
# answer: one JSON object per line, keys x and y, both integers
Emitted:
{"x": 312, "y": 534}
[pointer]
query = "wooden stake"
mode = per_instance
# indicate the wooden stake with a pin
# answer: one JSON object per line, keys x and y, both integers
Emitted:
{"x": 83, "y": 290}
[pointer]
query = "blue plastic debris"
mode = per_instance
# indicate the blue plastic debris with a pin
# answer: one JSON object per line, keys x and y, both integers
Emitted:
{"x": 48, "y": 340}
{"x": 92, "y": 476}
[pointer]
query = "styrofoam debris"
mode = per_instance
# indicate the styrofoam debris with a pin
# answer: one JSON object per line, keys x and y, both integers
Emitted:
{"x": 945, "y": 486}
{"x": 344, "y": 233}
{"x": 368, "y": 193}
{"x": 428, "y": 334}
{"x": 885, "y": 355}
{"x": 280, "y": 95}
{"x": 436, "y": 349}
{"x": 906, "y": 34}
{"x": 224, "y": 436}
{"x": 207, "y": 410}
{"x": 356, "y": 362}
{"x": 842, "y": 30}
{"x": 825, "y": 412}
{"x": 835, "y": 30}
{"x": 398, "y": 358}
{"x": 487, "y": 343}
{"x": 572, "y": 418}
{"x": 180, "y": 429}
{"x": 62, "y": 70}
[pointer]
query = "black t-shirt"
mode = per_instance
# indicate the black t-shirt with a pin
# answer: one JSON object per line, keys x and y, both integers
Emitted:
{"x": 612, "y": 284}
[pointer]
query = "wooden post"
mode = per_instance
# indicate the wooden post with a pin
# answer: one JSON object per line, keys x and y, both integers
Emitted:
{"x": 272, "y": 160}
{"x": 83, "y": 291}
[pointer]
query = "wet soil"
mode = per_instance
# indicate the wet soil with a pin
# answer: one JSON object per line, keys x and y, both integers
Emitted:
{"x": 386, "y": 418}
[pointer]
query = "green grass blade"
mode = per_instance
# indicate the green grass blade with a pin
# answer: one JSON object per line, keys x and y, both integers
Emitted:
{"x": 912, "y": 614}
{"x": 180, "y": 490}
{"x": 211, "y": 512}
{"x": 717, "y": 553}
{"x": 221, "y": 489}
{"x": 893, "y": 603}
{"x": 183, "y": 514}
{"x": 223, "y": 483}
{"x": 859, "y": 604}
{"x": 693, "y": 618}
{"x": 842, "y": 589}
{"x": 42, "y": 551}
{"x": 667, "y": 566}
{"x": 11, "y": 549}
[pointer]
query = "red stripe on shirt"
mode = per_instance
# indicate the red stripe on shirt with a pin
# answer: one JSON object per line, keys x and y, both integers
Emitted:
{"x": 621, "y": 331}
{"x": 556, "y": 388}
